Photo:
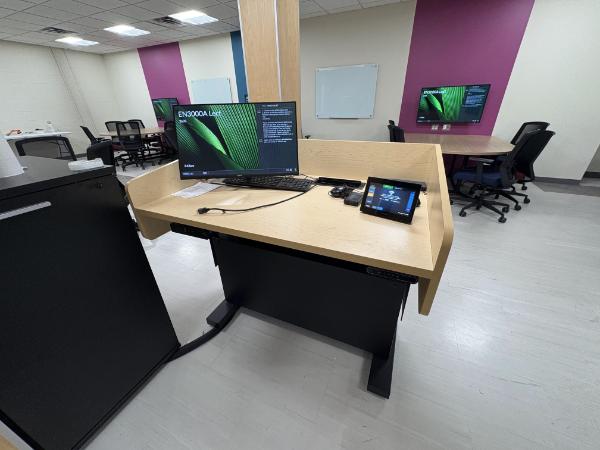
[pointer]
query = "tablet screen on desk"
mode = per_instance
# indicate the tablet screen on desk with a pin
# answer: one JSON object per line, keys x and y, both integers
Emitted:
{"x": 390, "y": 199}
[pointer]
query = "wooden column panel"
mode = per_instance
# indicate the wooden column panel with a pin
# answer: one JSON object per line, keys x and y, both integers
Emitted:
{"x": 258, "y": 20}
{"x": 271, "y": 40}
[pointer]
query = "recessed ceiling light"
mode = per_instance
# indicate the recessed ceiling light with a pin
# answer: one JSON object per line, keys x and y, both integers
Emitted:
{"x": 194, "y": 17}
{"x": 127, "y": 30}
{"x": 74, "y": 40}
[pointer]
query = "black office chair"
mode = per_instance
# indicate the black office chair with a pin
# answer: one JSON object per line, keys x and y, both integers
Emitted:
{"x": 55, "y": 147}
{"x": 525, "y": 159}
{"x": 131, "y": 142}
{"x": 93, "y": 139}
{"x": 492, "y": 177}
{"x": 103, "y": 150}
{"x": 111, "y": 125}
{"x": 396, "y": 133}
{"x": 529, "y": 127}
{"x": 138, "y": 121}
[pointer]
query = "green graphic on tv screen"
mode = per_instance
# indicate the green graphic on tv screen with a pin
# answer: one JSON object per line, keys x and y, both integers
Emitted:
{"x": 452, "y": 104}
{"x": 163, "y": 108}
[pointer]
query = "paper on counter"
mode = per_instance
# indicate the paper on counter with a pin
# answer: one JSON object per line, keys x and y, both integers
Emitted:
{"x": 196, "y": 190}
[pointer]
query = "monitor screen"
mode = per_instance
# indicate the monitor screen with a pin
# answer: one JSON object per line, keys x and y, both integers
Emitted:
{"x": 236, "y": 139}
{"x": 452, "y": 104}
{"x": 163, "y": 108}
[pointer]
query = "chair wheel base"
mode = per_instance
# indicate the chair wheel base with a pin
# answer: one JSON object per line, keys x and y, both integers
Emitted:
{"x": 502, "y": 219}
{"x": 527, "y": 200}
{"x": 517, "y": 207}
{"x": 462, "y": 214}
{"x": 505, "y": 209}
{"x": 524, "y": 188}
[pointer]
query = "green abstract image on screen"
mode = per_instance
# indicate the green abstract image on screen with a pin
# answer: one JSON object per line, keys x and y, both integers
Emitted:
{"x": 163, "y": 108}
{"x": 448, "y": 104}
{"x": 222, "y": 136}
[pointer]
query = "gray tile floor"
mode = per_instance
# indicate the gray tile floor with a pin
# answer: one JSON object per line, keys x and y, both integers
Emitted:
{"x": 509, "y": 357}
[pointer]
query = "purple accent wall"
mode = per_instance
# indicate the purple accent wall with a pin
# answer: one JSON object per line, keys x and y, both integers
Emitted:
{"x": 163, "y": 69}
{"x": 463, "y": 42}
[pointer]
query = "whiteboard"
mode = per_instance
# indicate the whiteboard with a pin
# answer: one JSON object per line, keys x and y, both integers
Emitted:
{"x": 211, "y": 90}
{"x": 346, "y": 92}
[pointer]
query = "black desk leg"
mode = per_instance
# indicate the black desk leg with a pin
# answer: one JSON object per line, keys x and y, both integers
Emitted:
{"x": 222, "y": 314}
{"x": 380, "y": 376}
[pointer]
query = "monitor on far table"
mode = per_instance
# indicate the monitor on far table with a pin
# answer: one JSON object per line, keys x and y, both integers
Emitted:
{"x": 163, "y": 108}
{"x": 452, "y": 104}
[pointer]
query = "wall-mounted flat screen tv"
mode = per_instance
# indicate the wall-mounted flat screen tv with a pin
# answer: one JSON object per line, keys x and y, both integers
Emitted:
{"x": 163, "y": 108}
{"x": 452, "y": 104}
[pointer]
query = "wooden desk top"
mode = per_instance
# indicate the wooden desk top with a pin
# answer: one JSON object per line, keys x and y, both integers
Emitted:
{"x": 466, "y": 145}
{"x": 143, "y": 131}
{"x": 315, "y": 222}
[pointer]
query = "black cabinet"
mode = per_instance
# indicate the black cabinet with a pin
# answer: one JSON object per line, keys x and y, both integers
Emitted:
{"x": 82, "y": 322}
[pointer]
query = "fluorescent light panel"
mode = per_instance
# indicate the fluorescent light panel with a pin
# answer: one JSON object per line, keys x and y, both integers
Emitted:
{"x": 74, "y": 40}
{"x": 126, "y": 30}
{"x": 193, "y": 17}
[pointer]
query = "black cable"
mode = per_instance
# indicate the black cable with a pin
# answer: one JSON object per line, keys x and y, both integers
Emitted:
{"x": 225, "y": 210}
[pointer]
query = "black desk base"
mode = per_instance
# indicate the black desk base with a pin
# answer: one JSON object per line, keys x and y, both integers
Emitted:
{"x": 332, "y": 297}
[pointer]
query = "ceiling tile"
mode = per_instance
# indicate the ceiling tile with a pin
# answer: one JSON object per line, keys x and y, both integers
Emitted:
{"x": 309, "y": 7}
{"x": 17, "y": 5}
{"x": 161, "y": 7}
{"x": 32, "y": 19}
{"x": 220, "y": 27}
{"x": 10, "y": 23}
{"x": 370, "y": 3}
{"x": 44, "y": 11}
{"x": 6, "y": 12}
{"x": 73, "y": 7}
{"x": 233, "y": 21}
{"x": 329, "y": 5}
{"x": 220, "y": 12}
{"x": 344, "y": 9}
{"x": 104, "y": 4}
{"x": 91, "y": 23}
{"x": 149, "y": 26}
{"x": 197, "y": 4}
{"x": 136, "y": 12}
{"x": 111, "y": 17}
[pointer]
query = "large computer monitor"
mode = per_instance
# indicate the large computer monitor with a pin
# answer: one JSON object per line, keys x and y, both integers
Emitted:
{"x": 237, "y": 139}
{"x": 452, "y": 104}
{"x": 163, "y": 108}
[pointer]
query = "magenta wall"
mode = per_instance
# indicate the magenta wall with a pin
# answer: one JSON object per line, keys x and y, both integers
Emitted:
{"x": 163, "y": 69}
{"x": 463, "y": 42}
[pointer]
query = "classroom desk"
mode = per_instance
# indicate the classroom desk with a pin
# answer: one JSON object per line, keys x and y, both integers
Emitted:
{"x": 313, "y": 261}
{"x": 463, "y": 145}
{"x": 144, "y": 132}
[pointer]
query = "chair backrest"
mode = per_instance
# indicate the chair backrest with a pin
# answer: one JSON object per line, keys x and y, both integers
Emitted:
{"x": 103, "y": 150}
{"x": 111, "y": 125}
{"x": 535, "y": 144}
{"x": 55, "y": 147}
{"x": 93, "y": 139}
{"x": 138, "y": 121}
{"x": 529, "y": 127}
{"x": 130, "y": 137}
{"x": 527, "y": 148}
{"x": 169, "y": 125}
{"x": 396, "y": 133}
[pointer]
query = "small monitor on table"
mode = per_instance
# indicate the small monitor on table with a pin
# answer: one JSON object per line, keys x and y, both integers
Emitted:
{"x": 237, "y": 139}
{"x": 163, "y": 108}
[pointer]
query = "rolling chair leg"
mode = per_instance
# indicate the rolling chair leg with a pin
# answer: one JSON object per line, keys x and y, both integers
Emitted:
{"x": 511, "y": 198}
{"x": 525, "y": 196}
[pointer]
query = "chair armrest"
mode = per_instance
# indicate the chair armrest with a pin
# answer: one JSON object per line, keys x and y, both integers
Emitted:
{"x": 481, "y": 160}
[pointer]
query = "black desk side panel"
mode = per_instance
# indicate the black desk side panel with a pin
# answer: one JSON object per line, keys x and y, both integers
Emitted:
{"x": 82, "y": 322}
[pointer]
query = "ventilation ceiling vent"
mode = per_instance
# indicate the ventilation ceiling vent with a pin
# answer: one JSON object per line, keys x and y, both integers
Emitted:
{"x": 168, "y": 20}
{"x": 55, "y": 30}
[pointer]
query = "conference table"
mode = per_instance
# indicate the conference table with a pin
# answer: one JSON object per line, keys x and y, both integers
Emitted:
{"x": 143, "y": 131}
{"x": 463, "y": 145}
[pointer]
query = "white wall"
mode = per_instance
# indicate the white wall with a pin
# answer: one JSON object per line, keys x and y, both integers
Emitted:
{"x": 554, "y": 80}
{"x": 33, "y": 91}
{"x": 126, "y": 76}
{"x": 378, "y": 35}
{"x": 209, "y": 57}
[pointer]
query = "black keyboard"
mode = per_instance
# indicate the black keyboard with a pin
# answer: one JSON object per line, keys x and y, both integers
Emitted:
{"x": 269, "y": 182}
